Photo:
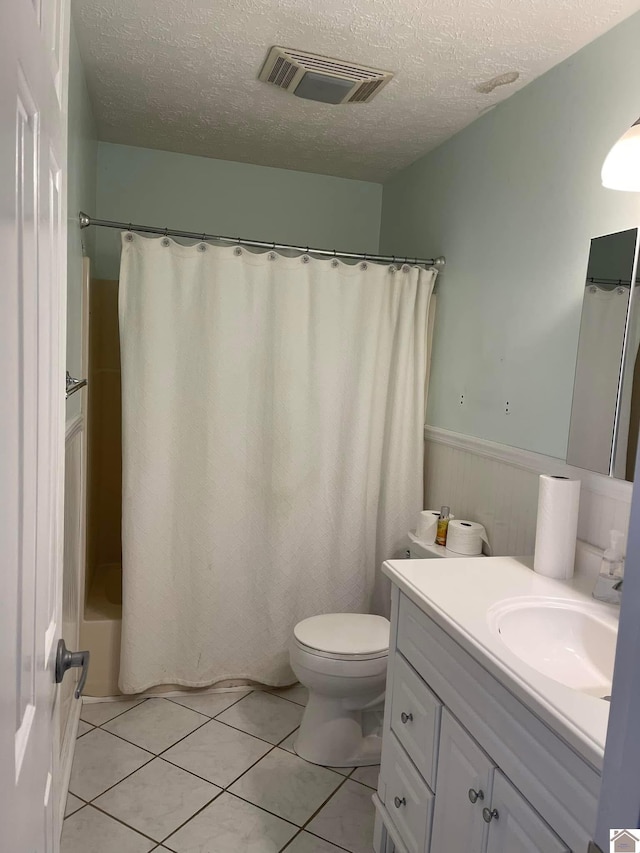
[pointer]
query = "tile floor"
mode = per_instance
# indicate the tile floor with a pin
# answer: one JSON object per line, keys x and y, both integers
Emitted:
{"x": 210, "y": 773}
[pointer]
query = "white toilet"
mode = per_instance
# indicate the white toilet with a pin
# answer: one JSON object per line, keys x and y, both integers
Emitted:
{"x": 342, "y": 659}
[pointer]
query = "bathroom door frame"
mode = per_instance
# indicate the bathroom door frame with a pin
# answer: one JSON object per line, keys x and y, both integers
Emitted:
{"x": 619, "y": 801}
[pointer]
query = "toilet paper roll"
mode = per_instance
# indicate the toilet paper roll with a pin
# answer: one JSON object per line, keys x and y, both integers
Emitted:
{"x": 466, "y": 538}
{"x": 557, "y": 526}
{"x": 427, "y": 526}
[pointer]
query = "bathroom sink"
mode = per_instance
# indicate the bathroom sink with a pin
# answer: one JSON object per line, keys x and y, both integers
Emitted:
{"x": 572, "y": 642}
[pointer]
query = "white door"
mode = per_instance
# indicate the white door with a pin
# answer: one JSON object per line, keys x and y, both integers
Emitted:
{"x": 514, "y": 826}
{"x": 465, "y": 777}
{"x": 33, "y": 50}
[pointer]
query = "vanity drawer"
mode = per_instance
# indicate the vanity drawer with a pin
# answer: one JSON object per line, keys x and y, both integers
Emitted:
{"x": 415, "y": 718}
{"x": 408, "y": 800}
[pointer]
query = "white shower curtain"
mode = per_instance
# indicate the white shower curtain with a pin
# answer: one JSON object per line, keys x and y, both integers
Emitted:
{"x": 273, "y": 414}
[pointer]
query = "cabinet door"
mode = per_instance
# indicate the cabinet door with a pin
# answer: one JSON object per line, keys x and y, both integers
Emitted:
{"x": 515, "y": 826}
{"x": 465, "y": 773}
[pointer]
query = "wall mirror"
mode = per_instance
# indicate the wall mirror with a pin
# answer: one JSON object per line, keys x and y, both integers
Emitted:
{"x": 605, "y": 413}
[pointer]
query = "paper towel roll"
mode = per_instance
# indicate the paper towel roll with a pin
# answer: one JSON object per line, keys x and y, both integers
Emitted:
{"x": 557, "y": 526}
{"x": 466, "y": 538}
{"x": 427, "y": 526}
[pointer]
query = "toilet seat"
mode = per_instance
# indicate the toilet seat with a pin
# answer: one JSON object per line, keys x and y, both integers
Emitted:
{"x": 344, "y": 636}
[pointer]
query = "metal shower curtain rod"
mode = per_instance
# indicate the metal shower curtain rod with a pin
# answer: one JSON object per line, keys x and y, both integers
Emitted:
{"x": 86, "y": 221}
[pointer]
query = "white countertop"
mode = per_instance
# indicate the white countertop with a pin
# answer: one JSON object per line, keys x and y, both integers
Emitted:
{"x": 457, "y": 594}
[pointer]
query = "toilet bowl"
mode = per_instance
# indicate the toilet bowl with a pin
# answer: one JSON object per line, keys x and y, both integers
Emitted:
{"x": 341, "y": 658}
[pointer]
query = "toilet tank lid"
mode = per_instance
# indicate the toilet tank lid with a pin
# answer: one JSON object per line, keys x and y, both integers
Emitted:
{"x": 344, "y": 633}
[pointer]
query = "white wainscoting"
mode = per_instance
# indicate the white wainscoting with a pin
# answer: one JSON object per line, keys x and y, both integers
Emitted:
{"x": 497, "y": 485}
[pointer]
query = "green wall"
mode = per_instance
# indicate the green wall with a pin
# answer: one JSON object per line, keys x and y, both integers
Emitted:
{"x": 513, "y": 201}
{"x": 81, "y": 195}
{"x": 189, "y": 193}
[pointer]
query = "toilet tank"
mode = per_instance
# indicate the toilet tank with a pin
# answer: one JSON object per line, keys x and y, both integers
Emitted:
{"x": 417, "y": 550}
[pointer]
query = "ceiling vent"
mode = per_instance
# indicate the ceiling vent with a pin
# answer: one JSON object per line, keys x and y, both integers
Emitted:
{"x": 320, "y": 78}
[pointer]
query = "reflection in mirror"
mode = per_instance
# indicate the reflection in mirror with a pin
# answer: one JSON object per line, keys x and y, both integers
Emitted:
{"x": 605, "y": 415}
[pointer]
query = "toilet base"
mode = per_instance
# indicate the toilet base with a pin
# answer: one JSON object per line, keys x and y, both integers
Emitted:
{"x": 333, "y": 735}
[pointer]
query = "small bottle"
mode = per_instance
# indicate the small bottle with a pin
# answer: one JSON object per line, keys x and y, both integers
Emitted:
{"x": 443, "y": 524}
{"x": 613, "y": 558}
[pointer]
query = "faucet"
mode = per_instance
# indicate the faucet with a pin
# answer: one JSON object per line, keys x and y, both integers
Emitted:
{"x": 608, "y": 589}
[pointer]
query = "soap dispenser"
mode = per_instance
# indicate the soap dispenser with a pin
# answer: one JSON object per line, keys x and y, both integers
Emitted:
{"x": 609, "y": 584}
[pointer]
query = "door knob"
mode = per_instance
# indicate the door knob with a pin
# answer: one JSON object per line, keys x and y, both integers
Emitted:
{"x": 406, "y": 718}
{"x": 399, "y": 802}
{"x": 489, "y": 814}
{"x": 474, "y": 795}
{"x": 68, "y": 660}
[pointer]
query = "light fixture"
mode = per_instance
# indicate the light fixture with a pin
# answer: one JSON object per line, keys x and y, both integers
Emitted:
{"x": 621, "y": 168}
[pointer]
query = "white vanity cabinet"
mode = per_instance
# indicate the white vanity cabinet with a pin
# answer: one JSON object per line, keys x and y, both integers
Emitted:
{"x": 466, "y": 767}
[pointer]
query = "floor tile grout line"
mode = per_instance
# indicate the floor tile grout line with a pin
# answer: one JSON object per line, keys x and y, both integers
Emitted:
{"x": 314, "y": 835}
{"x": 126, "y": 711}
{"x": 293, "y": 701}
{"x": 160, "y": 755}
{"x": 93, "y": 799}
{"x": 326, "y": 840}
{"x": 330, "y": 797}
{"x": 122, "y": 823}
{"x": 157, "y": 754}
{"x": 303, "y": 828}
{"x": 208, "y": 720}
{"x": 227, "y": 790}
{"x": 300, "y": 829}
{"x": 222, "y": 789}
{"x": 174, "y": 699}
{"x": 130, "y": 742}
{"x": 244, "y": 731}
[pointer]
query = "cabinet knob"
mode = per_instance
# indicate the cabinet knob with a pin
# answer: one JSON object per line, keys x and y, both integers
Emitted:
{"x": 406, "y": 718}
{"x": 489, "y": 814}
{"x": 474, "y": 796}
{"x": 399, "y": 802}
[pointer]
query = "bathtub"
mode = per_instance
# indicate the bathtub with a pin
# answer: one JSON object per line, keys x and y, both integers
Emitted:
{"x": 100, "y": 630}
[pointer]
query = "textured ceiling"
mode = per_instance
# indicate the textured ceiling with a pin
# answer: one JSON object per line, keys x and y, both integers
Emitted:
{"x": 181, "y": 75}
